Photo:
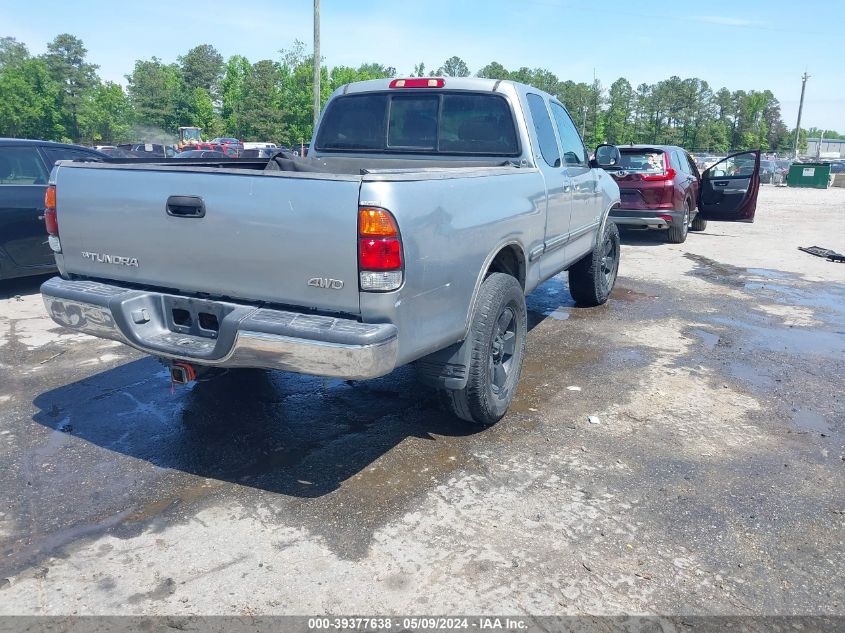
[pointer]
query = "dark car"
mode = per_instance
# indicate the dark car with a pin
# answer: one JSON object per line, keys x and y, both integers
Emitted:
{"x": 200, "y": 153}
{"x": 115, "y": 152}
{"x": 659, "y": 187}
{"x": 261, "y": 152}
{"x": 24, "y": 169}
{"x": 148, "y": 150}
{"x": 837, "y": 167}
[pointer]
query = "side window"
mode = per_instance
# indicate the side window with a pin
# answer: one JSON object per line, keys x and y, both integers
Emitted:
{"x": 681, "y": 158}
{"x": 573, "y": 148}
{"x": 67, "y": 153}
{"x": 21, "y": 166}
{"x": 544, "y": 130}
{"x": 693, "y": 168}
{"x": 737, "y": 166}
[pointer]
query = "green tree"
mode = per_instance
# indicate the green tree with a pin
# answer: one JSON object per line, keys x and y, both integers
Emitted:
{"x": 453, "y": 67}
{"x": 620, "y": 102}
{"x": 12, "y": 52}
{"x": 204, "y": 115}
{"x": 158, "y": 95}
{"x": 261, "y": 115}
{"x": 202, "y": 67}
{"x": 30, "y": 101}
{"x": 231, "y": 90}
{"x": 375, "y": 71}
{"x": 65, "y": 59}
{"x": 297, "y": 80}
{"x": 106, "y": 116}
{"x": 493, "y": 70}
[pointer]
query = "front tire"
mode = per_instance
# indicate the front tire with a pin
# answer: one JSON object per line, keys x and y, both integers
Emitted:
{"x": 591, "y": 279}
{"x": 698, "y": 224}
{"x": 497, "y": 338}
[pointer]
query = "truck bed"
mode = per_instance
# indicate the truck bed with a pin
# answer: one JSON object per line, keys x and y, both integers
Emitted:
{"x": 266, "y": 229}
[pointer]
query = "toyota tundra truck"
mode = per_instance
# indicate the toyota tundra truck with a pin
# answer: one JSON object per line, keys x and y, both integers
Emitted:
{"x": 425, "y": 212}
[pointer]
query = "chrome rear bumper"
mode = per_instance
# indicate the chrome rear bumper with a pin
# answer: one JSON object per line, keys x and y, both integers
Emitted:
{"x": 243, "y": 336}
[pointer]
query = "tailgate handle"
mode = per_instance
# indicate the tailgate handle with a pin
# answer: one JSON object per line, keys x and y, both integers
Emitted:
{"x": 186, "y": 207}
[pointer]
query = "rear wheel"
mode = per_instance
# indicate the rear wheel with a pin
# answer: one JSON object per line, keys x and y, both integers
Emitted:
{"x": 677, "y": 234}
{"x": 592, "y": 278}
{"x": 497, "y": 338}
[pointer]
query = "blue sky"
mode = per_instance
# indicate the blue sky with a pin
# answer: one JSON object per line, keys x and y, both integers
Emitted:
{"x": 747, "y": 44}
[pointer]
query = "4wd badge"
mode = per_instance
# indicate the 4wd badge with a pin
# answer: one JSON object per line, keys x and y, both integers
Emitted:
{"x": 325, "y": 282}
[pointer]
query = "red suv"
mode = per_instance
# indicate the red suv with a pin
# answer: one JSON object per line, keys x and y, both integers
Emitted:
{"x": 659, "y": 187}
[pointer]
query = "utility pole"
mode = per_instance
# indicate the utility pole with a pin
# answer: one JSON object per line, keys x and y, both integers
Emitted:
{"x": 804, "y": 79}
{"x": 316, "y": 61}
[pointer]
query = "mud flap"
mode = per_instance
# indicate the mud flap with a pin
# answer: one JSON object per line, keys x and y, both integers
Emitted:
{"x": 446, "y": 368}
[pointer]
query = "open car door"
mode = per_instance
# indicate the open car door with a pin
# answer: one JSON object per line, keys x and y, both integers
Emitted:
{"x": 729, "y": 188}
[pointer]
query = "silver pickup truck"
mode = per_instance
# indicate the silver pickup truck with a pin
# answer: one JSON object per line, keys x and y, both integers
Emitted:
{"x": 426, "y": 210}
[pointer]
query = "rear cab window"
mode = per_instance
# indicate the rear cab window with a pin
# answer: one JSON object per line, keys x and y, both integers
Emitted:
{"x": 424, "y": 122}
{"x": 21, "y": 166}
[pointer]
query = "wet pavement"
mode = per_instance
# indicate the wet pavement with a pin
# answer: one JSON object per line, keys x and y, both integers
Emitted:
{"x": 711, "y": 482}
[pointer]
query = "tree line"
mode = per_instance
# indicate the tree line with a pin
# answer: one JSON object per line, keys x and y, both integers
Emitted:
{"x": 60, "y": 96}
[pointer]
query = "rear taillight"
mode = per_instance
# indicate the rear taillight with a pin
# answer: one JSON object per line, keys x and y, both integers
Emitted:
{"x": 51, "y": 220}
{"x": 669, "y": 174}
{"x": 379, "y": 250}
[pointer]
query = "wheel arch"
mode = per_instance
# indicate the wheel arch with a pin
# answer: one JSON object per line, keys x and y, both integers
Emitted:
{"x": 508, "y": 257}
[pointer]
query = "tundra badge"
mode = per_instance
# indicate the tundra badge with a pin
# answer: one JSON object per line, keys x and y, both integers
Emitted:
{"x": 325, "y": 282}
{"x": 118, "y": 260}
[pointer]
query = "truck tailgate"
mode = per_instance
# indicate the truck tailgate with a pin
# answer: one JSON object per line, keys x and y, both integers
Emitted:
{"x": 261, "y": 237}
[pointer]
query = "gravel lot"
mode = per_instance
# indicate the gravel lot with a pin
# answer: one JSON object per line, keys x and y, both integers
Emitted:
{"x": 711, "y": 484}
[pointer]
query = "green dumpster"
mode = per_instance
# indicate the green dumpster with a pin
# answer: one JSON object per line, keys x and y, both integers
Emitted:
{"x": 815, "y": 175}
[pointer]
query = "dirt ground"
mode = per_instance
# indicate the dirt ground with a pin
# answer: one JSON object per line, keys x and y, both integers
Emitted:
{"x": 710, "y": 483}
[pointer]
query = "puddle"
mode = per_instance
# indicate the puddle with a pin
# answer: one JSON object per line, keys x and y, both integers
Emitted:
{"x": 558, "y": 314}
{"x": 626, "y": 294}
{"x": 808, "y": 341}
{"x": 827, "y": 296}
{"x": 750, "y": 375}
{"x": 709, "y": 339}
{"x": 810, "y": 421}
{"x": 551, "y": 299}
{"x": 716, "y": 272}
{"x": 768, "y": 274}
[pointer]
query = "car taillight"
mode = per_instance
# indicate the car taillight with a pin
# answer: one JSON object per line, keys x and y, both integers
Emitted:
{"x": 669, "y": 174}
{"x": 418, "y": 82}
{"x": 379, "y": 250}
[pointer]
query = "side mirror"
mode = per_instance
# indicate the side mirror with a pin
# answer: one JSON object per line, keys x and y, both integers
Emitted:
{"x": 607, "y": 156}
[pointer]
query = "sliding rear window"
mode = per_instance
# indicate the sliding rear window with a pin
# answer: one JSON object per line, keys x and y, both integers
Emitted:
{"x": 420, "y": 123}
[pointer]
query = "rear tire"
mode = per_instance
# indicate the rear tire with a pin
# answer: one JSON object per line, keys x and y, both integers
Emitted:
{"x": 497, "y": 337}
{"x": 591, "y": 279}
{"x": 698, "y": 224}
{"x": 678, "y": 234}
